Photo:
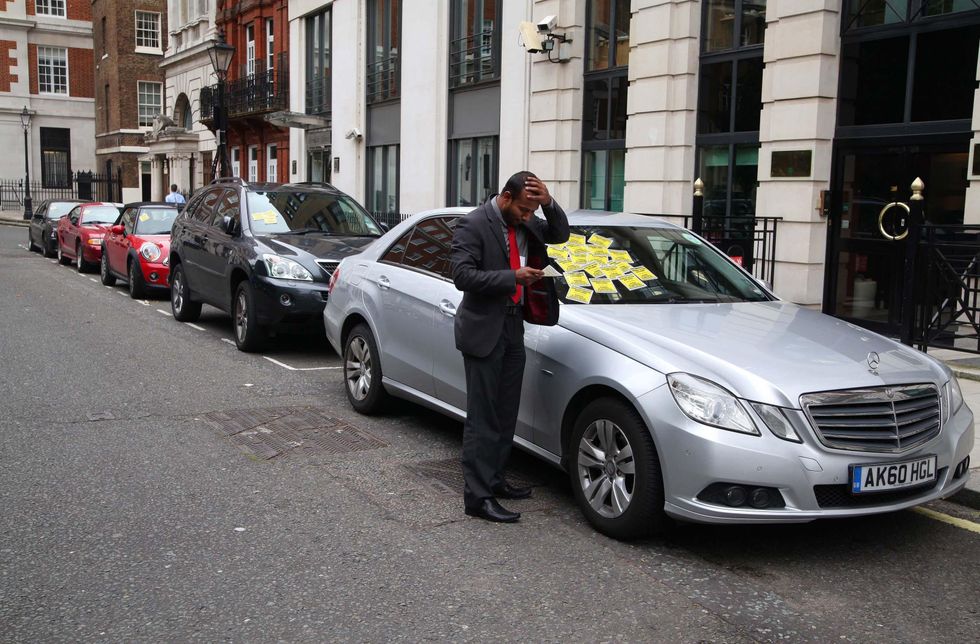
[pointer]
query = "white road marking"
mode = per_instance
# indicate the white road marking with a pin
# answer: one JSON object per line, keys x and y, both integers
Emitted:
{"x": 53, "y": 261}
{"x": 165, "y": 312}
{"x": 231, "y": 342}
{"x": 24, "y": 247}
{"x": 194, "y": 326}
{"x": 286, "y": 366}
{"x": 120, "y": 293}
{"x": 92, "y": 279}
{"x": 143, "y": 302}
{"x": 108, "y": 287}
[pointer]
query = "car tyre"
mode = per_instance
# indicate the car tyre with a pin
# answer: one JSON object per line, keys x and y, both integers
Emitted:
{"x": 137, "y": 285}
{"x": 249, "y": 336}
{"x": 64, "y": 261}
{"x": 107, "y": 277}
{"x": 362, "y": 372}
{"x": 46, "y": 249}
{"x": 34, "y": 248}
{"x": 615, "y": 471}
{"x": 183, "y": 308}
{"x": 80, "y": 264}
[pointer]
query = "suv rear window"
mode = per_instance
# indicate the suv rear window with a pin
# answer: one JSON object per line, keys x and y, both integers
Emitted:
{"x": 289, "y": 211}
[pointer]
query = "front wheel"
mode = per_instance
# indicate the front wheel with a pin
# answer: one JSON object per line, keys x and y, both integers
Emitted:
{"x": 362, "y": 371}
{"x": 80, "y": 264}
{"x": 107, "y": 277}
{"x": 137, "y": 285}
{"x": 248, "y": 334}
{"x": 615, "y": 471}
{"x": 183, "y": 308}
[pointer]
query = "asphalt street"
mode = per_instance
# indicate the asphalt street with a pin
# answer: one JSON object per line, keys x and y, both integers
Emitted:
{"x": 130, "y": 511}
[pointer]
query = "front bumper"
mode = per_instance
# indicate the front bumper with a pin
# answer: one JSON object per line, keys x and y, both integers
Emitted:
{"x": 694, "y": 456}
{"x": 305, "y": 300}
{"x": 92, "y": 254}
{"x": 155, "y": 275}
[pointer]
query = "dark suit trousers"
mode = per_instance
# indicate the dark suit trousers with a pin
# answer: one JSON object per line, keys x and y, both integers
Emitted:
{"x": 493, "y": 396}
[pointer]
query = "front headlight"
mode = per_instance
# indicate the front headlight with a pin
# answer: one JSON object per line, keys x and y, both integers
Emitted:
{"x": 708, "y": 403}
{"x": 286, "y": 269}
{"x": 952, "y": 397}
{"x": 94, "y": 241}
{"x": 777, "y": 422}
{"x": 150, "y": 252}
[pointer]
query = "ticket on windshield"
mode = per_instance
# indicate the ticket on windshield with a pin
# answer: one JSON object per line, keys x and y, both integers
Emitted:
{"x": 577, "y": 294}
{"x": 644, "y": 273}
{"x": 557, "y": 253}
{"x": 577, "y": 279}
{"x": 632, "y": 282}
{"x": 599, "y": 240}
{"x": 576, "y": 240}
{"x": 603, "y": 285}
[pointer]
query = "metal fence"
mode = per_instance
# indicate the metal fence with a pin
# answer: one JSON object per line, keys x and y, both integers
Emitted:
{"x": 749, "y": 241}
{"x": 80, "y": 185}
{"x": 390, "y": 219}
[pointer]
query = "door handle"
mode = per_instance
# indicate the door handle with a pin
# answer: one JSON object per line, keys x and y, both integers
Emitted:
{"x": 384, "y": 283}
{"x": 447, "y": 308}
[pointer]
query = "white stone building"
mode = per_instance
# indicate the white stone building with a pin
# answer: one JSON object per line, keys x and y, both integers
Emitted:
{"x": 817, "y": 112}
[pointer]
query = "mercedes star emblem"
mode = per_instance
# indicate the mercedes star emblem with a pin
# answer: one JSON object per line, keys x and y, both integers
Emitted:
{"x": 873, "y": 362}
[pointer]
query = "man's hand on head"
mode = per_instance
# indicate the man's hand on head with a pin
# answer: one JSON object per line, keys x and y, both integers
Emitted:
{"x": 537, "y": 192}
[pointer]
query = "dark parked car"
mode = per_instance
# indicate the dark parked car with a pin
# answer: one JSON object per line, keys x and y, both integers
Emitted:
{"x": 263, "y": 252}
{"x": 43, "y": 233}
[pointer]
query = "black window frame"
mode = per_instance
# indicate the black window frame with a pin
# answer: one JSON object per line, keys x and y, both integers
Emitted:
{"x": 460, "y": 43}
{"x": 443, "y": 268}
{"x": 914, "y": 14}
{"x": 474, "y": 141}
{"x": 613, "y": 72}
{"x": 383, "y": 80}
{"x": 384, "y": 148}
{"x": 318, "y": 95}
{"x": 55, "y": 140}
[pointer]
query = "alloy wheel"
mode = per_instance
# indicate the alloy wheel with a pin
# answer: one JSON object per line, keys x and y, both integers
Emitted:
{"x": 606, "y": 470}
{"x": 241, "y": 316}
{"x": 79, "y": 262}
{"x": 357, "y": 368}
{"x": 177, "y": 291}
{"x": 132, "y": 279}
{"x": 104, "y": 267}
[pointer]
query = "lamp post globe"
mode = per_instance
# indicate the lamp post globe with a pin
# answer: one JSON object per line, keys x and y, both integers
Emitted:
{"x": 221, "y": 54}
{"x": 25, "y": 120}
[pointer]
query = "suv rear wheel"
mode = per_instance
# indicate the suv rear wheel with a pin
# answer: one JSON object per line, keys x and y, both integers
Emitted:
{"x": 183, "y": 308}
{"x": 248, "y": 334}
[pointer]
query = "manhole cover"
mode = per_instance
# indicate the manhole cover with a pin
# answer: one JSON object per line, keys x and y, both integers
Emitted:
{"x": 272, "y": 432}
{"x": 447, "y": 475}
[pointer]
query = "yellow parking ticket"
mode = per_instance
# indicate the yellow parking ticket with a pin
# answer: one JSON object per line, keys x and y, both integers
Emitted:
{"x": 612, "y": 272}
{"x": 644, "y": 273}
{"x": 598, "y": 255}
{"x": 620, "y": 255}
{"x": 568, "y": 265}
{"x": 577, "y": 294}
{"x": 577, "y": 250}
{"x": 577, "y": 278}
{"x": 603, "y": 285}
{"x": 599, "y": 240}
{"x": 266, "y": 217}
{"x": 576, "y": 240}
{"x": 624, "y": 267}
{"x": 557, "y": 253}
{"x": 592, "y": 268}
{"x": 632, "y": 282}
{"x": 144, "y": 217}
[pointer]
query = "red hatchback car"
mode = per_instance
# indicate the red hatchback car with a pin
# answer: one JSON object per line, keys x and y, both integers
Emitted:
{"x": 80, "y": 233}
{"x": 137, "y": 248}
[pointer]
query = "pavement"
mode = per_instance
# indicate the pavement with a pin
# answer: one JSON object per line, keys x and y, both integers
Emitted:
{"x": 965, "y": 365}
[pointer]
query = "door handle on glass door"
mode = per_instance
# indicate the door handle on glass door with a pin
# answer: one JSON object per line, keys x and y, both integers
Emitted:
{"x": 447, "y": 308}
{"x": 384, "y": 282}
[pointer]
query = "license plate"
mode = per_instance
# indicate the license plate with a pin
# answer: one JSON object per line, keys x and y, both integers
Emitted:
{"x": 882, "y": 477}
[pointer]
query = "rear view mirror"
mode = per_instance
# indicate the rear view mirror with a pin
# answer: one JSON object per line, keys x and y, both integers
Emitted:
{"x": 117, "y": 230}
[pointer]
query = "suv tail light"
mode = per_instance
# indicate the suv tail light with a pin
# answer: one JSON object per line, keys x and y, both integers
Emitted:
{"x": 333, "y": 279}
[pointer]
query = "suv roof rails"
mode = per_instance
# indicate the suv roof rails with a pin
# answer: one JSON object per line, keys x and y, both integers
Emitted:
{"x": 312, "y": 183}
{"x": 236, "y": 180}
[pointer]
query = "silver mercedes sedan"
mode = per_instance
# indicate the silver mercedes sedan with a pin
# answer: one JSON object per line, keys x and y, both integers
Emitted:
{"x": 674, "y": 385}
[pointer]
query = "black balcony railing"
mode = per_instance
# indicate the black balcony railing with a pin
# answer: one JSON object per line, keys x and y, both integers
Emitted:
{"x": 749, "y": 241}
{"x": 318, "y": 95}
{"x": 257, "y": 90}
{"x": 382, "y": 79}
{"x": 471, "y": 59}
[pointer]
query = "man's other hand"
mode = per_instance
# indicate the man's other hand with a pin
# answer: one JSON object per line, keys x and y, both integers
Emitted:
{"x": 527, "y": 275}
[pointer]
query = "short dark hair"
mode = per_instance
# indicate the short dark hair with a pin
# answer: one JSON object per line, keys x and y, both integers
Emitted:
{"x": 173, "y": 187}
{"x": 515, "y": 184}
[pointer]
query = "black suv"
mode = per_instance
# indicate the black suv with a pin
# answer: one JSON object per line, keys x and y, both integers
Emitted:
{"x": 263, "y": 252}
{"x": 43, "y": 232}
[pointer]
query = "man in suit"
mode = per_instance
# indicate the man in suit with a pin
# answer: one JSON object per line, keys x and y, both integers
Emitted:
{"x": 497, "y": 255}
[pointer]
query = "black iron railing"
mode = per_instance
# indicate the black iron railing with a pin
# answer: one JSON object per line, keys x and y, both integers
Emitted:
{"x": 749, "y": 241}
{"x": 80, "y": 185}
{"x": 318, "y": 95}
{"x": 255, "y": 91}
{"x": 947, "y": 288}
{"x": 382, "y": 79}
{"x": 390, "y": 219}
{"x": 471, "y": 59}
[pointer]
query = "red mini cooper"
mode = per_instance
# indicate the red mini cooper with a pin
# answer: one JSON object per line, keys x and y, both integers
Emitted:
{"x": 80, "y": 233}
{"x": 137, "y": 248}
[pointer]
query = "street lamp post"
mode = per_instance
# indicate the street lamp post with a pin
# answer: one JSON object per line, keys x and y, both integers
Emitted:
{"x": 25, "y": 120}
{"x": 221, "y": 54}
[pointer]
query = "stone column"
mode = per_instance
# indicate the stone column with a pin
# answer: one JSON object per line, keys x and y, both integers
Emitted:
{"x": 971, "y": 214}
{"x": 662, "y": 106}
{"x": 799, "y": 105}
{"x": 180, "y": 171}
{"x": 156, "y": 178}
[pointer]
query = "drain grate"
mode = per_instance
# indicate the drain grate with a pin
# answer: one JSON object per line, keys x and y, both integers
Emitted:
{"x": 274, "y": 432}
{"x": 446, "y": 475}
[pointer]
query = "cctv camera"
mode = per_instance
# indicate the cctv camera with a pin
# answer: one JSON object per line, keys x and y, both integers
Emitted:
{"x": 547, "y": 24}
{"x": 353, "y": 134}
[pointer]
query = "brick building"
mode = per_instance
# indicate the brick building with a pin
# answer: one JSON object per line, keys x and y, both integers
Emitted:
{"x": 257, "y": 87}
{"x": 46, "y": 65}
{"x": 129, "y": 39}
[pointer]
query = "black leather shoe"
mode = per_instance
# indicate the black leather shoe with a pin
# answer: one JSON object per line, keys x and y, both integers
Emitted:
{"x": 508, "y": 491}
{"x": 490, "y": 510}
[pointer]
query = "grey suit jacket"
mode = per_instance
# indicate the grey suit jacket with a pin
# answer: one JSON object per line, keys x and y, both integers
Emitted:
{"x": 481, "y": 269}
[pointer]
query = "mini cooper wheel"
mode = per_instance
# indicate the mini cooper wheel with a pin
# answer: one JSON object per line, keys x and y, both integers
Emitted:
{"x": 64, "y": 261}
{"x": 137, "y": 285}
{"x": 615, "y": 471}
{"x": 248, "y": 334}
{"x": 183, "y": 308}
{"x": 362, "y": 371}
{"x": 107, "y": 277}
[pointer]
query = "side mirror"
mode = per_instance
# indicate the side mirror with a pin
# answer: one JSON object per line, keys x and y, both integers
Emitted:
{"x": 117, "y": 230}
{"x": 228, "y": 224}
{"x": 384, "y": 227}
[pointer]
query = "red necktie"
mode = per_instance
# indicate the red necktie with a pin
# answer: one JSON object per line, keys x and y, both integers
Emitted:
{"x": 515, "y": 260}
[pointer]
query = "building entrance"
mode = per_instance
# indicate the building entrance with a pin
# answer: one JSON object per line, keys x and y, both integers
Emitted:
{"x": 865, "y": 264}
